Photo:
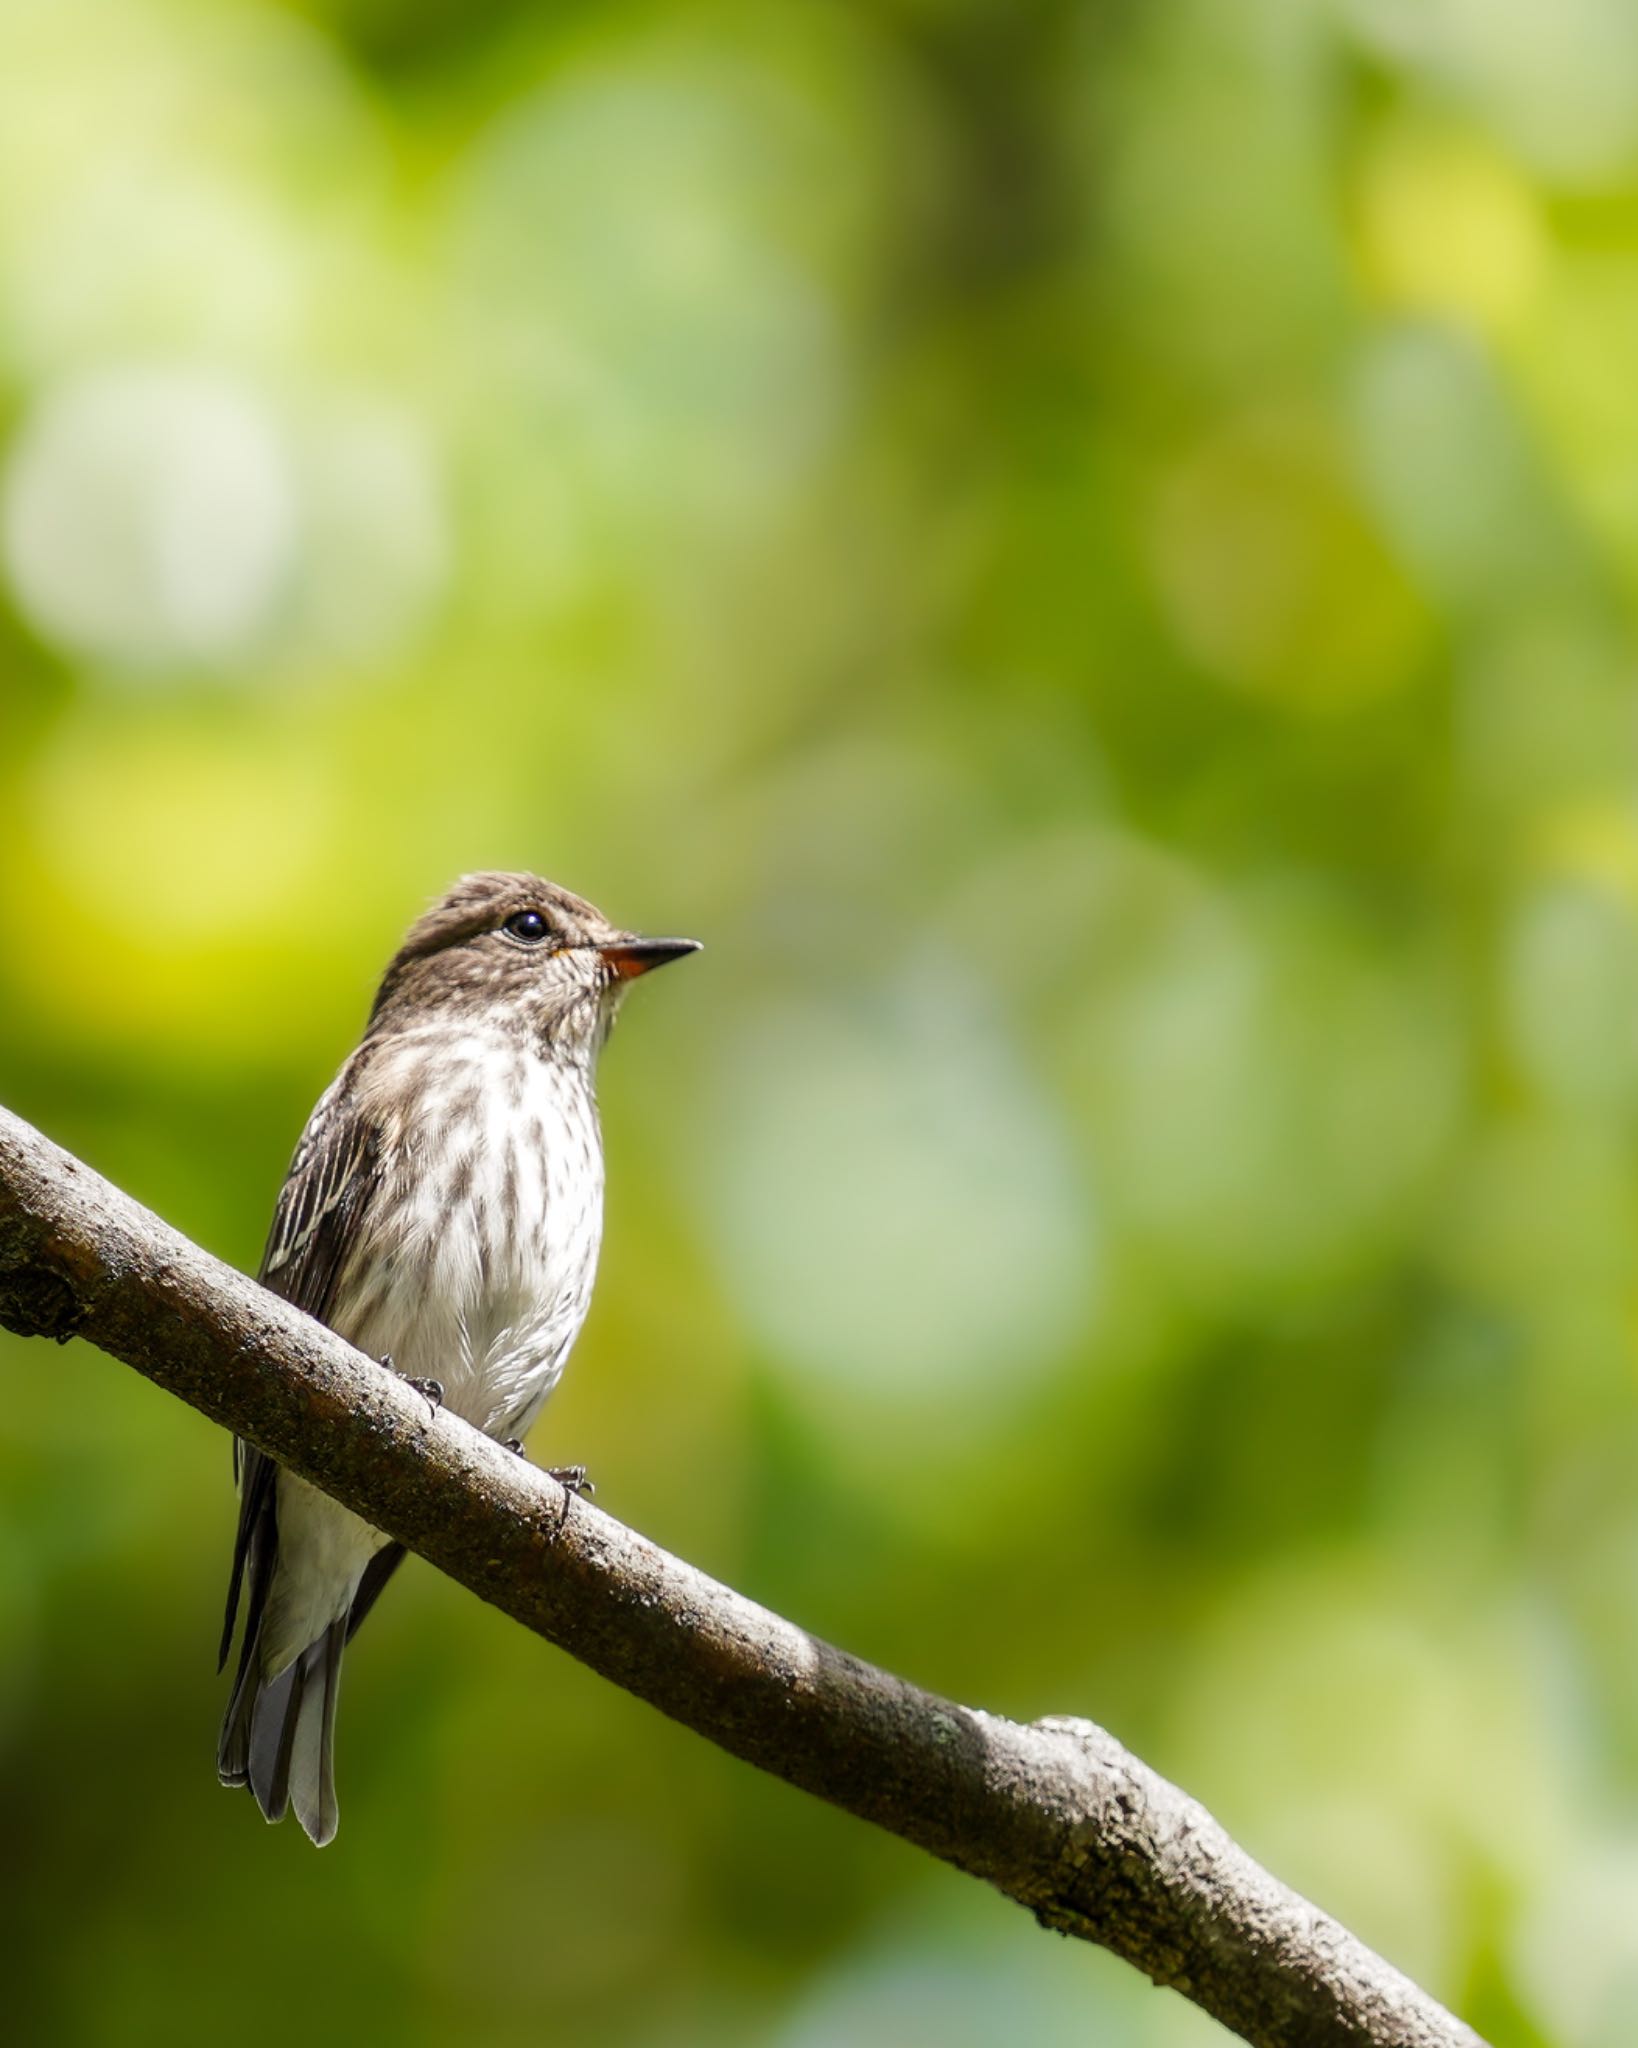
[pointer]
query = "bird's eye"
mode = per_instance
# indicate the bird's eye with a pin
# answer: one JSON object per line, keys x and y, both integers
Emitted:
{"x": 529, "y": 926}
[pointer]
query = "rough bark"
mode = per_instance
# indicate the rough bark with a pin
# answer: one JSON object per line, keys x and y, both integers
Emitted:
{"x": 1055, "y": 1813}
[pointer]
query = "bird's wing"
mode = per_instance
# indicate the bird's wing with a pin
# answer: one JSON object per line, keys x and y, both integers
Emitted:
{"x": 332, "y": 1181}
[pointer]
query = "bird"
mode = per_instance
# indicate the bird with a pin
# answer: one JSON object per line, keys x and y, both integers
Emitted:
{"x": 443, "y": 1213}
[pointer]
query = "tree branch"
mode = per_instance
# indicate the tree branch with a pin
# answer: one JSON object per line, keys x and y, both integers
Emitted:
{"x": 1055, "y": 1814}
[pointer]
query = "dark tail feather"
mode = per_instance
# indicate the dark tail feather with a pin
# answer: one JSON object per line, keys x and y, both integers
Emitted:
{"x": 272, "y": 1733}
{"x": 255, "y": 1551}
{"x": 289, "y": 1730}
{"x": 233, "y": 1750}
{"x": 254, "y": 1545}
{"x": 373, "y": 1584}
{"x": 313, "y": 1752}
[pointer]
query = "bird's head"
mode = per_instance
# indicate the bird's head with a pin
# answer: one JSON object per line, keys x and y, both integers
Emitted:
{"x": 519, "y": 949}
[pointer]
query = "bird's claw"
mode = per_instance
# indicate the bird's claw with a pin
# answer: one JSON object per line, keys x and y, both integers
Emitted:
{"x": 572, "y": 1478}
{"x": 575, "y": 1485}
{"x": 431, "y": 1391}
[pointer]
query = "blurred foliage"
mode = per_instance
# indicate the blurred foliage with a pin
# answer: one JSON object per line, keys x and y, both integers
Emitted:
{"x": 1089, "y": 551}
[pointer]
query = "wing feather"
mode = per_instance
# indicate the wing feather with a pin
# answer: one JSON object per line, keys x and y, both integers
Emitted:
{"x": 331, "y": 1183}
{"x": 333, "y": 1179}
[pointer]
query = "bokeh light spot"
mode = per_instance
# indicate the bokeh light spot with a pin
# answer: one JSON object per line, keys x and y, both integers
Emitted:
{"x": 893, "y": 1204}
{"x": 149, "y": 516}
{"x": 1446, "y": 225}
{"x": 161, "y": 870}
{"x": 1271, "y": 573}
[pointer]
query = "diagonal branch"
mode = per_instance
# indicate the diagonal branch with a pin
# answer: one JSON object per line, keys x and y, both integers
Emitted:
{"x": 1055, "y": 1814}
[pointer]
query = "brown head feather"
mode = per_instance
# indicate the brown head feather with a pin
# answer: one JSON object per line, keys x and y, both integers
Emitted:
{"x": 460, "y": 961}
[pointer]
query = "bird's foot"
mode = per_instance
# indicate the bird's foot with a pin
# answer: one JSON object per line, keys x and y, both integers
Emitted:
{"x": 575, "y": 1485}
{"x": 431, "y": 1391}
{"x": 572, "y": 1478}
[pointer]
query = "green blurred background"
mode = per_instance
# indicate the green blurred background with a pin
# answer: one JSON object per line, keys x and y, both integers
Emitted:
{"x": 1089, "y": 550}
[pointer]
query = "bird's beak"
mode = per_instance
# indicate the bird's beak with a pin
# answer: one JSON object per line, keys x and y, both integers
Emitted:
{"x": 629, "y": 956}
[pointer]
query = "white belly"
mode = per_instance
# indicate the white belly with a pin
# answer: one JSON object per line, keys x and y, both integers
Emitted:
{"x": 484, "y": 1280}
{"x": 476, "y": 1271}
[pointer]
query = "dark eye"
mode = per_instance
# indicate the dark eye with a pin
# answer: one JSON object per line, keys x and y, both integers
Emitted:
{"x": 529, "y": 926}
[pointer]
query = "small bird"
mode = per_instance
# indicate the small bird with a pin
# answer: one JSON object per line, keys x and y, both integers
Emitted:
{"x": 442, "y": 1212}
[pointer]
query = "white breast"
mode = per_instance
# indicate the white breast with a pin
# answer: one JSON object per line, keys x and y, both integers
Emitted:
{"x": 478, "y": 1271}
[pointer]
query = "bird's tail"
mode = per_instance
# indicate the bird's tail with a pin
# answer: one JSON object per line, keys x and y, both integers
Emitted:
{"x": 278, "y": 1736}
